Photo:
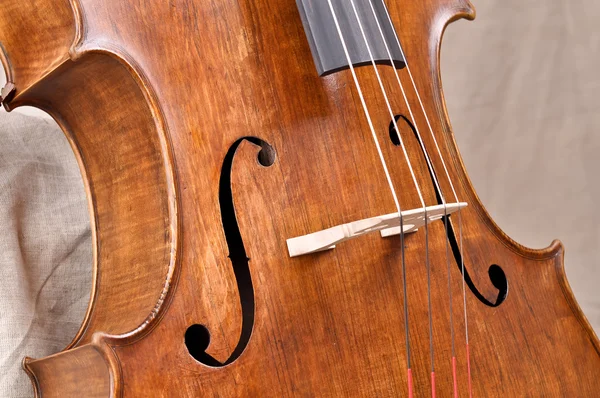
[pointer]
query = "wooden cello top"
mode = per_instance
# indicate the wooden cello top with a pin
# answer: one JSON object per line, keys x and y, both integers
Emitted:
{"x": 206, "y": 139}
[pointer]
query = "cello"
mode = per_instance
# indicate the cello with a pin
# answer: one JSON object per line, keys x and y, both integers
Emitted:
{"x": 279, "y": 207}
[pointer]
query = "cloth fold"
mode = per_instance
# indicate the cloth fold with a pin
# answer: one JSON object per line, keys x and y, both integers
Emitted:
{"x": 45, "y": 246}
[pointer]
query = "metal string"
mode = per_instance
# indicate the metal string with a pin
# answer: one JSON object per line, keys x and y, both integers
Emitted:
{"x": 462, "y": 265}
{"x": 414, "y": 180}
{"x": 367, "y": 114}
{"x": 427, "y": 262}
{"x": 436, "y": 182}
{"x": 391, "y": 185}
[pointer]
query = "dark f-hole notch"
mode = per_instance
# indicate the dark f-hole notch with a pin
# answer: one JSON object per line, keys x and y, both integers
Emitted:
{"x": 495, "y": 272}
{"x": 197, "y": 337}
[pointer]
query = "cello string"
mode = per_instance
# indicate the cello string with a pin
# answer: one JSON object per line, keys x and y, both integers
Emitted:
{"x": 436, "y": 182}
{"x": 392, "y": 189}
{"x": 427, "y": 262}
{"x": 462, "y": 265}
{"x": 367, "y": 114}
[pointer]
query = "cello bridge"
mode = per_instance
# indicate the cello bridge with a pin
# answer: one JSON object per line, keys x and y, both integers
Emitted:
{"x": 387, "y": 225}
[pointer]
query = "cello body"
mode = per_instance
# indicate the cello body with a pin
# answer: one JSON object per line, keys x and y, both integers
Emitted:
{"x": 206, "y": 139}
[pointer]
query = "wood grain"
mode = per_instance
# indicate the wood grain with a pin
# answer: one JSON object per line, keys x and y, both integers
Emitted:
{"x": 152, "y": 96}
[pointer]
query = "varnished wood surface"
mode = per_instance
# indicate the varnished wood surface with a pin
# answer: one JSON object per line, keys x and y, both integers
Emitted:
{"x": 152, "y": 98}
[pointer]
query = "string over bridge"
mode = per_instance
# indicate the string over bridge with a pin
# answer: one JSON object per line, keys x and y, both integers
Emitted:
{"x": 387, "y": 225}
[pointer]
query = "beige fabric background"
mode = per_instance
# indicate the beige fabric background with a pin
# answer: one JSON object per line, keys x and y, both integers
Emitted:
{"x": 521, "y": 85}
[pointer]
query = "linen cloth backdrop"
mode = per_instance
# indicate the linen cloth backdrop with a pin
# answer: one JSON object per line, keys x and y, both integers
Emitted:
{"x": 520, "y": 83}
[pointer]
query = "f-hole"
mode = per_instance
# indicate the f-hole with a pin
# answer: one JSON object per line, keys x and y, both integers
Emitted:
{"x": 197, "y": 337}
{"x": 495, "y": 272}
